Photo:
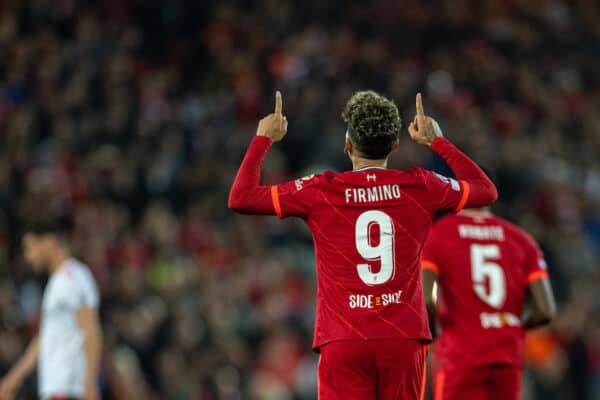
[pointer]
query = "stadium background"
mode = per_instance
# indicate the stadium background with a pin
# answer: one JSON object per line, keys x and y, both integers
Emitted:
{"x": 126, "y": 120}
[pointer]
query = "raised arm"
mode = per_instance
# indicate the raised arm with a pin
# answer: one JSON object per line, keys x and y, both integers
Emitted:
{"x": 478, "y": 189}
{"x": 247, "y": 195}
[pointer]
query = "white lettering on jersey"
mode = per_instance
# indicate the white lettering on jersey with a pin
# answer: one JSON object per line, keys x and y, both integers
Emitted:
{"x": 481, "y": 232}
{"x": 372, "y": 194}
{"x": 372, "y": 301}
{"x": 498, "y": 320}
{"x": 300, "y": 182}
{"x": 361, "y": 301}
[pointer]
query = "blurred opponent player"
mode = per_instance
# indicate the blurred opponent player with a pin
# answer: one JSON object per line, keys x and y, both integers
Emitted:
{"x": 368, "y": 227}
{"x": 484, "y": 267}
{"x": 67, "y": 349}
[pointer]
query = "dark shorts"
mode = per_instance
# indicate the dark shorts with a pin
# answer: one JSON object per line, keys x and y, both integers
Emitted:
{"x": 372, "y": 369}
{"x": 488, "y": 382}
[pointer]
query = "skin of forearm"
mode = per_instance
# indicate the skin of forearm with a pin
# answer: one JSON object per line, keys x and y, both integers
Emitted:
{"x": 428, "y": 279}
{"x": 431, "y": 313}
{"x": 28, "y": 361}
{"x": 92, "y": 349}
{"x": 534, "y": 320}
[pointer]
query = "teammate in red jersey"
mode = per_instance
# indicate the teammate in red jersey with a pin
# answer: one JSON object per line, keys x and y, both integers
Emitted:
{"x": 369, "y": 226}
{"x": 483, "y": 266}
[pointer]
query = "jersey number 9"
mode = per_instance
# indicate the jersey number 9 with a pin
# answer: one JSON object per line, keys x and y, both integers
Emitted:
{"x": 382, "y": 252}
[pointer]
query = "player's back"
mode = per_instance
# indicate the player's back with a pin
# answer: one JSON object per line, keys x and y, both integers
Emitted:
{"x": 368, "y": 228}
{"x": 484, "y": 265}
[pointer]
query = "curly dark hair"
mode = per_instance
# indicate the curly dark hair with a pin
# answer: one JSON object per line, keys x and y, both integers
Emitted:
{"x": 373, "y": 123}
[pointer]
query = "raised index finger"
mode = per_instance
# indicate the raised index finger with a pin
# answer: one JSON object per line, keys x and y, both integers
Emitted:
{"x": 278, "y": 102}
{"x": 420, "y": 112}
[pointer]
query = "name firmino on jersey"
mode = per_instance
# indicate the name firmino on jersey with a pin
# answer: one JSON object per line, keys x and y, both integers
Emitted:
{"x": 372, "y": 194}
{"x": 481, "y": 232}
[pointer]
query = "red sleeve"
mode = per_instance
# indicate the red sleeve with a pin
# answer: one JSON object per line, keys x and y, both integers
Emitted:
{"x": 295, "y": 198}
{"x": 249, "y": 197}
{"x": 446, "y": 193}
{"x": 476, "y": 189}
{"x": 430, "y": 258}
{"x": 535, "y": 264}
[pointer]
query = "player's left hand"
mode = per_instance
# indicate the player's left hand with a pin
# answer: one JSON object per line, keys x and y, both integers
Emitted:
{"x": 274, "y": 126}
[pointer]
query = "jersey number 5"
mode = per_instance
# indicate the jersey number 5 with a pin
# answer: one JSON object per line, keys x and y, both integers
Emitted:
{"x": 382, "y": 252}
{"x": 484, "y": 269}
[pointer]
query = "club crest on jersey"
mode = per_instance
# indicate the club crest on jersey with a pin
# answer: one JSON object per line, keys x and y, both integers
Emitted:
{"x": 300, "y": 182}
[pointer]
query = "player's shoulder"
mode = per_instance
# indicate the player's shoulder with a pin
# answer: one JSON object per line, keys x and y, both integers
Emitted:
{"x": 424, "y": 173}
{"x": 446, "y": 222}
{"x": 74, "y": 270}
{"x": 449, "y": 219}
{"x": 300, "y": 184}
{"x": 77, "y": 265}
{"x": 419, "y": 174}
{"x": 516, "y": 232}
{"x": 418, "y": 171}
{"x": 371, "y": 175}
{"x": 433, "y": 178}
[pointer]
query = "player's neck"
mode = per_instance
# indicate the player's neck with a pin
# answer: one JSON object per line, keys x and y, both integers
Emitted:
{"x": 57, "y": 260}
{"x": 360, "y": 163}
{"x": 476, "y": 212}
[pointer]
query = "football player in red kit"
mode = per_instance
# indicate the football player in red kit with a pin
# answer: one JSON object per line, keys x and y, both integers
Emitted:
{"x": 369, "y": 226}
{"x": 484, "y": 266}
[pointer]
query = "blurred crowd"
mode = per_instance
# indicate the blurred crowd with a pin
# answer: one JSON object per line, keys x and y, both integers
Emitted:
{"x": 127, "y": 119}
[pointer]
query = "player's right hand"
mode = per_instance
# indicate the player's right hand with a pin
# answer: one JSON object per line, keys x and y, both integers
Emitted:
{"x": 423, "y": 129}
{"x": 274, "y": 126}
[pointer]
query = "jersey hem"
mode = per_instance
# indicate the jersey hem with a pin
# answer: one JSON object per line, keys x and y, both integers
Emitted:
{"x": 316, "y": 347}
{"x": 60, "y": 393}
{"x": 446, "y": 365}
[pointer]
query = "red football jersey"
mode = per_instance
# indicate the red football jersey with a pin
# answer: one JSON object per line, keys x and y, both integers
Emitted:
{"x": 484, "y": 265}
{"x": 368, "y": 229}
